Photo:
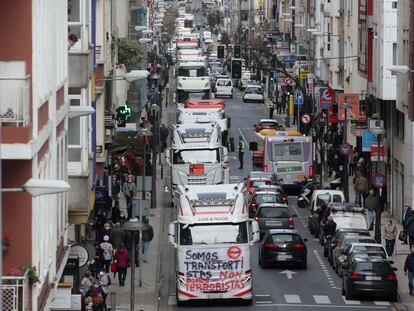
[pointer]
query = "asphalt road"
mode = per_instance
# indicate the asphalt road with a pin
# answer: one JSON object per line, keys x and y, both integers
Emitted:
{"x": 318, "y": 287}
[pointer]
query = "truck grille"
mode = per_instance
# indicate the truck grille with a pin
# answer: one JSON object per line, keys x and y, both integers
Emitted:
{"x": 197, "y": 180}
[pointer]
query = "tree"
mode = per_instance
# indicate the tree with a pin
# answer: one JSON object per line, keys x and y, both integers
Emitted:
{"x": 130, "y": 53}
{"x": 169, "y": 21}
{"x": 225, "y": 39}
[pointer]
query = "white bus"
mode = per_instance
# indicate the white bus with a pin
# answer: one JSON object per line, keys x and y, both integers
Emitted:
{"x": 213, "y": 239}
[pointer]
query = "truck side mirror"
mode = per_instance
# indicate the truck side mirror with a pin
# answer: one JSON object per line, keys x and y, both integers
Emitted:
{"x": 253, "y": 146}
{"x": 232, "y": 146}
{"x": 167, "y": 156}
{"x": 171, "y": 233}
{"x": 255, "y": 231}
{"x": 228, "y": 123}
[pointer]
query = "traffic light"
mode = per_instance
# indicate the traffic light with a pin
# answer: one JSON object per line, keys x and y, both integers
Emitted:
{"x": 220, "y": 51}
{"x": 236, "y": 68}
{"x": 237, "y": 51}
{"x": 122, "y": 115}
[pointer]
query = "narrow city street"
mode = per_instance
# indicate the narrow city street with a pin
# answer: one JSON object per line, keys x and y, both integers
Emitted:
{"x": 281, "y": 288}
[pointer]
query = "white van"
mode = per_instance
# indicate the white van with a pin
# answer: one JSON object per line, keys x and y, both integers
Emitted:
{"x": 224, "y": 87}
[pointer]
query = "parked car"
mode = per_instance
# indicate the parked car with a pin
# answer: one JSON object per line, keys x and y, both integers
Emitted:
{"x": 261, "y": 197}
{"x": 370, "y": 277}
{"x": 253, "y": 93}
{"x": 274, "y": 216}
{"x": 318, "y": 198}
{"x": 282, "y": 246}
{"x": 340, "y": 234}
{"x": 346, "y": 241}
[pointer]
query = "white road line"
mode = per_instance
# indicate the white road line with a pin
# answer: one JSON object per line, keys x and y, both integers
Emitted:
{"x": 263, "y": 302}
{"x": 292, "y": 299}
{"x": 262, "y": 295}
{"x": 321, "y": 299}
{"x": 381, "y": 303}
{"x": 241, "y": 134}
{"x": 332, "y": 307}
{"x": 351, "y": 302}
{"x": 172, "y": 301}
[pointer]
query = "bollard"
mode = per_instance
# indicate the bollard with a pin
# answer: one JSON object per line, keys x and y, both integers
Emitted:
{"x": 162, "y": 171}
{"x": 113, "y": 301}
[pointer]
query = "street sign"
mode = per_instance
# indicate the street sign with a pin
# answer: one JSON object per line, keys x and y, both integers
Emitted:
{"x": 303, "y": 74}
{"x": 345, "y": 149}
{"x": 379, "y": 180}
{"x": 260, "y": 13}
{"x": 299, "y": 98}
{"x": 289, "y": 58}
{"x": 326, "y": 97}
{"x": 374, "y": 152}
{"x": 305, "y": 118}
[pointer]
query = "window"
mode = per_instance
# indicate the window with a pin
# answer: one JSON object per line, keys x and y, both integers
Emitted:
{"x": 287, "y": 151}
{"x": 394, "y": 5}
{"x": 273, "y": 212}
{"x": 196, "y": 156}
{"x": 244, "y": 15}
{"x": 394, "y": 53}
{"x": 213, "y": 234}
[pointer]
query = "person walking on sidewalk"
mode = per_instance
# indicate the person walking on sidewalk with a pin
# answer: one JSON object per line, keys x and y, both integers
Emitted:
{"x": 147, "y": 236}
{"x": 107, "y": 252}
{"x": 104, "y": 281}
{"x": 117, "y": 236}
{"x": 122, "y": 262}
{"x": 163, "y": 137}
{"x": 271, "y": 107}
{"x": 240, "y": 148}
{"x": 390, "y": 233}
{"x": 361, "y": 187}
{"x": 129, "y": 189}
{"x": 405, "y": 216}
{"x": 371, "y": 203}
{"x": 409, "y": 269}
{"x": 409, "y": 227}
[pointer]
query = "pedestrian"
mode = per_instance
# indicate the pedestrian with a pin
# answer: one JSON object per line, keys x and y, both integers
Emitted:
{"x": 406, "y": 214}
{"x": 361, "y": 187}
{"x": 390, "y": 233}
{"x": 122, "y": 262}
{"x": 116, "y": 188}
{"x": 99, "y": 222}
{"x": 88, "y": 304}
{"x": 271, "y": 108}
{"x": 104, "y": 282}
{"x": 351, "y": 162}
{"x": 97, "y": 263}
{"x": 129, "y": 188}
{"x": 117, "y": 236}
{"x": 96, "y": 293}
{"x": 107, "y": 229}
{"x": 107, "y": 248}
{"x": 371, "y": 203}
{"x": 240, "y": 149}
{"x": 163, "y": 137}
{"x": 147, "y": 236}
{"x": 409, "y": 227}
{"x": 116, "y": 213}
{"x": 86, "y": 283}
{"x": 329, "y": 229}
{"x": 409, "y": 269}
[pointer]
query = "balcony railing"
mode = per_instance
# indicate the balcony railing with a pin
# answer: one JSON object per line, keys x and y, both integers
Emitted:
{"x": 14, "y": 100}
{"x": 15, "y": 293}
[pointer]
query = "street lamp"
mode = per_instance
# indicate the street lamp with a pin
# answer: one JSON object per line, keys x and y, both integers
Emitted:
{"x": 144, "y": 40}
{"x": 80, "y": 111}
{"x": 400, "y": 69}
{"x": 133, "y": 226}
{"x": 131, "y": 76}
{"x": 322, "y": 34}
{"x": 346, "y": 106}
{"x": 140, "y": 28}
{"x": 311, "y": 30}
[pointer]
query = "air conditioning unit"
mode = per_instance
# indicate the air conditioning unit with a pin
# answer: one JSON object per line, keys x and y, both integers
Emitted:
{"x": 322, "y": 7}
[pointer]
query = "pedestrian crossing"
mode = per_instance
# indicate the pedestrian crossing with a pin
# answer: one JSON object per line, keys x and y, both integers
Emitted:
{"x": 261, "y": 299}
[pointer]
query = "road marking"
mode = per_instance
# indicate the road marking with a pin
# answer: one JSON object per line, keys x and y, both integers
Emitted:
{"x": 321, "y": 299}
{"x": 332, "y": 307}
{"x": 381, "y": 303}
{"x": 351, "y": 302}
{"x": 263, "y": 302}
{"x": 288, "y": 273}
{"x": 262, "y": 295}
{"x": 172, "y": 301}
{"x": 292, "y": 299}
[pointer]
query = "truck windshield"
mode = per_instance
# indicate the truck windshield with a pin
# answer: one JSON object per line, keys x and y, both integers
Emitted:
{"x": 194, "y": 156}
{"x": 192, "y": 72}
{"x": 282, "y": 151}
{"x": 213, "y": 234}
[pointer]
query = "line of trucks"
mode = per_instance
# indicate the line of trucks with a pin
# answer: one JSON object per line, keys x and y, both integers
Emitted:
{"x": 212, "y": 233}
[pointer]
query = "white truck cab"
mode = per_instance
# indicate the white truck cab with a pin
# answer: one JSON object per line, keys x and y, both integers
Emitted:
{"x": 203, "y": 115}
{"x": 213, "y": 236}
{"x": 197, "y": 156}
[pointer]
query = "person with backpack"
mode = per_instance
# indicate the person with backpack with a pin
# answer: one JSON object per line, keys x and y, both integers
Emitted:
{"x": 147, "y": 236}
{"x": 107, "y": 249}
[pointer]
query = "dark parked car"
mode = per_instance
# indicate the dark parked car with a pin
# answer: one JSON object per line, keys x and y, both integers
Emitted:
{"x": 339, "y": 249}
{"x": 260, "y": 197}
{"x": 274, "y": 216}
{"x": 368, "y": 276}
{"x": 339, "y": 236}
{"x": 283, "y": 246}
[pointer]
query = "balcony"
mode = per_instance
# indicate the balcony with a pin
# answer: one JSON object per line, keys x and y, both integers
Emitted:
{"x": 15, "y": 292}
{"x": 14, "y": 100}
{"x": 80, "y": 68}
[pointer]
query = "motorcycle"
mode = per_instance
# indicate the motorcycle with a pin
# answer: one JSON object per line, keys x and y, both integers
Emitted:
{"x": 306, "y": 193}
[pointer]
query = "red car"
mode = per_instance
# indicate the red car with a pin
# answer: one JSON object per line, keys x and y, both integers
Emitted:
{"x": 261, "y": 197}
{"x": 264, "y": 124}
{"x": 253, "y": 183}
